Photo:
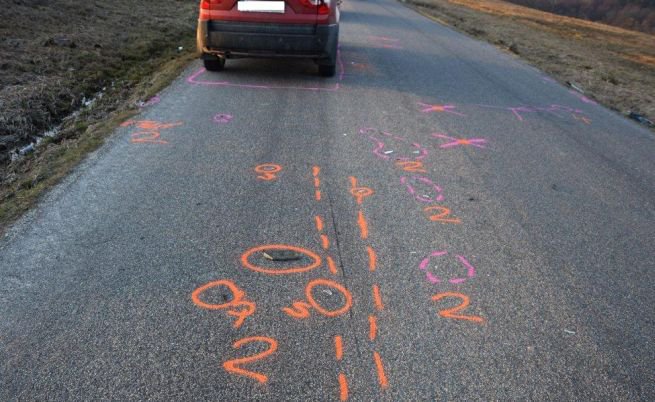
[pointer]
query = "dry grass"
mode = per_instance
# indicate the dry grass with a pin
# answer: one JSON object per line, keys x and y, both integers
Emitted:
{"x": 614, "y": 66}
{"x": 127, "y": 49}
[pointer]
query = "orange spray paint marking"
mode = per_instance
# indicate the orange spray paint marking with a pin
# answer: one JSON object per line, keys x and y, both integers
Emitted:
{"x": 372, "y": 259}
{"x": 331, "y": 265}
{"x": 317, "y": 182}
{"x": 300, "y": 308}
{"x": 231, "y": 366}
{"x": 359, "y": 192}
{"x": 319, "y": 223}
{"x": 442, "y": 216}
{"x": 151, "y": 124}
{"x": 238, "y": 307}
{"x": 411, "y": 166}
{"x": 147, "y": 137}
{"x": 382, "y": 377}
{"x": 343, "y": 387}
{"x": 584, "y": 119}
{"x": 453, "y": 312}
{"x": 372, "y": 327}
{"x": 338, "y": 346}
{"x": 245, "y": 260}
{"x": 363, "y": 225}
{"x": 268, "y": 171}
{"x": 325, "y": 242}
{"x": 377, "y": 298}
{"x": 150, "y": 133}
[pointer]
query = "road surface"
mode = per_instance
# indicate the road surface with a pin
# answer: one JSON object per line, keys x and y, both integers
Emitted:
{"x": 461, "y": 227}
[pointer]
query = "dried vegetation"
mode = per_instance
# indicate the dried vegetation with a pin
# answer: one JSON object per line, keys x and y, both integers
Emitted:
{"x": 614, "y": 66}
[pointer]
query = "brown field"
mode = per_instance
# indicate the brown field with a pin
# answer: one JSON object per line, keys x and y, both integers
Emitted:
{"x": 54, "y": 54}
{"x": 614, "y": 66}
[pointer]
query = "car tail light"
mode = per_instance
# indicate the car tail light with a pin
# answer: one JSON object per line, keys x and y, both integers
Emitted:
{"x": 321, "y": 5}
{"x": 207, "y": 4}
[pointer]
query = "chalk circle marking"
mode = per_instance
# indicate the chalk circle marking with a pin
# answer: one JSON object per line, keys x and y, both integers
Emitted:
{"x": 268, "y": 168}
{"x": 316, "y": 260}
{"x": 237, "y": 295}
{"x": 223, "y": 118}
{"x": 330, "y": 284}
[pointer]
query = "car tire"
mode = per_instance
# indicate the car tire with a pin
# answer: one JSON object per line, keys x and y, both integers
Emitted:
{"x": 327, "y": 70}
{"x": 214, "y": 64}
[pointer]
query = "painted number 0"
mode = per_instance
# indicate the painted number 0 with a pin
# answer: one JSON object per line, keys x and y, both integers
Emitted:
{"x": 454, "y": 312}
{"x": 232, "y": 366}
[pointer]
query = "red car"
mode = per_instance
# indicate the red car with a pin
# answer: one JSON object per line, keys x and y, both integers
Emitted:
{"x": 270, "y": 28}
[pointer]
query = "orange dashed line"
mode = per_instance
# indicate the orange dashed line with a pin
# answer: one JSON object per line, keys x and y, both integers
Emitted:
{"x": 343, "y": 387}
{"x": 317, "y": 182}
{"x": 373, "y": 327}
{"x": 363, "y": 225}
{"x": 325, "y": 242}
{"x": 359, "y": 192}
{"x": 382, "y": 377}
{"x": 319, "y": 223}
{"x": 372, "y": 259}
{"x": 377, "y": 298}
{"x": 338, "y": 346}
{"x": 331, "y": 265}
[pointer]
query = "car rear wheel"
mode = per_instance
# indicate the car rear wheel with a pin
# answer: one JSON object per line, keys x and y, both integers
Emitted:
{"x": 215, "y": 64}
{"x": 327, "y": 70}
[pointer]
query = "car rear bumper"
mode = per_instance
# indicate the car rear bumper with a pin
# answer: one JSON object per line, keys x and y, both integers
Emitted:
{"x": 240, "y": 39}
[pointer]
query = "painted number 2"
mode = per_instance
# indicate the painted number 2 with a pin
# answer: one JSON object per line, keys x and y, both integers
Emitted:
{"x": 441, "y": 215}
{"x": 454, "y": 312}
{"x": 232, "y": 366}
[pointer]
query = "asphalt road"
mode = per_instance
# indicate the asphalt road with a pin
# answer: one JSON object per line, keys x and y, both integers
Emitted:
{"x": 433, "y": 171}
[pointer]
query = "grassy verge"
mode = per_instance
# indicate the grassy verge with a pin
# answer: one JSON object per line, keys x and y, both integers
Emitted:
{"x": 613, "y": 66}
{"x": 126, "y": 50}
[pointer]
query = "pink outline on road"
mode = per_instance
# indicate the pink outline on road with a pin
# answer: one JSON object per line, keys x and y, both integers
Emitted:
{"x": 379, "y": 145}
{"x": 476, "y": 142}
{"x": 193, "y": 80}
{"x": 423, "y": 266}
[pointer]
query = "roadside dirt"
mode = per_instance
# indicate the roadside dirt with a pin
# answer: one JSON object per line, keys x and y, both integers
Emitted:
{"x": 613, "y": 66}
{"x": 81, "y": 67}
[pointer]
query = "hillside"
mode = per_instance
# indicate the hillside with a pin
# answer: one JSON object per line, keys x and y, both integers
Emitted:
{"x": 630, "y": 14}
{"x": 614, "y": 66}
{"x": 79, "y": 48}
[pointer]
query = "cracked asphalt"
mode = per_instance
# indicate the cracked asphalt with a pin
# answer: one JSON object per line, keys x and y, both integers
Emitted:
{"x": 463, "y": 228}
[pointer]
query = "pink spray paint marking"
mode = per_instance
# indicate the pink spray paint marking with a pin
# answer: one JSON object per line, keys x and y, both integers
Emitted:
{"x": 221, "y": 118}
{"x": 518, "y": 111}
{"x": 150, "y": 102}
{"x": 408, "y": 183}
{"x": 383, "y": 38}
{"x": 423, "y": 266}
{"x": 475, "y": 142}
{"x": 380, "y": 145}
{"x": 583, "y": 98}
{"x": 195, "y": 79}
{"x": 385, "y": 42}
{"x": 427, "y": 108}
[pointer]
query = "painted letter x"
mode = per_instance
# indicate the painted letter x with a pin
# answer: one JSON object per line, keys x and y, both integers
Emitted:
{"x": 476, "y": 142}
